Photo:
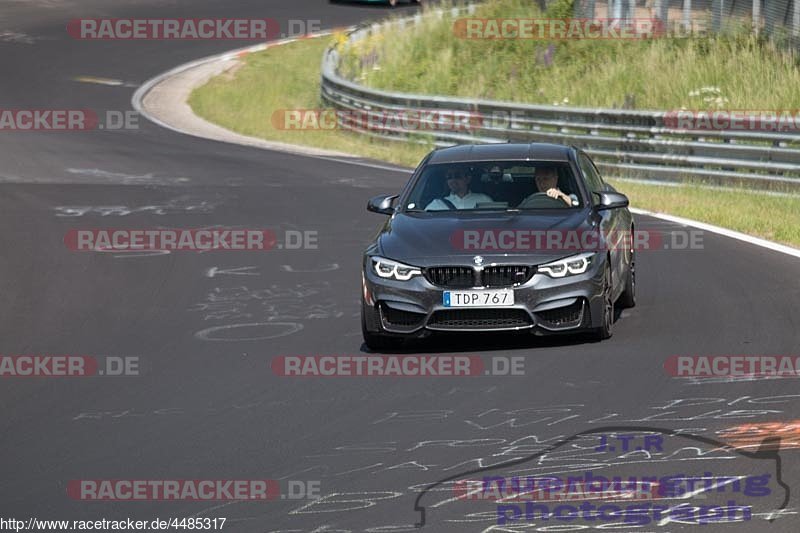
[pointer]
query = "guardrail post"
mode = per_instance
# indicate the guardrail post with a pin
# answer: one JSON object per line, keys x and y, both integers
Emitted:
{"x": 661, "y": 9}
{"x": 687, "y": 16}
{"x": 590, "y": 7}
{"x": 614, "y": 9}
{"x": 623, "y": 9}
{"x": 796, "y": 18}
{"x": 716, "y": 14}
{"x": 757, "y": 16}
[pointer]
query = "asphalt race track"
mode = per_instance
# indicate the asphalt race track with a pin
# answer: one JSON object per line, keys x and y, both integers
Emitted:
{"x": 207, "y": 404}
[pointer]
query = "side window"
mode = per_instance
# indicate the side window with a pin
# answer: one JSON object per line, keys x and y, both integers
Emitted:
{"x": 593, "y": 179}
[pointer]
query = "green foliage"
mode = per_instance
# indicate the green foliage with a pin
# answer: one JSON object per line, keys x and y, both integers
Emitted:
{"x": 560, "y": 9}
{"x": 740, "y": 210}
{"x": 656, "y": 74}
{"x": 281, "y": 78}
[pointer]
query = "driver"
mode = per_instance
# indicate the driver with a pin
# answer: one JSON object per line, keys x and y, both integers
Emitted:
{"x": 547, "y": 183}
{"x": 458, "y": 180}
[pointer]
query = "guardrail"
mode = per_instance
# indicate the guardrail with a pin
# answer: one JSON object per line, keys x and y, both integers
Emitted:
{"x": 622, "y": 142}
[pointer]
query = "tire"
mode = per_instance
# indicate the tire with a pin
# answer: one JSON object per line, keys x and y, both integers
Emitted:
{"x": 606, "y": 330}
{"x": 628, "y": 297}
{"x": 376, "y": 341}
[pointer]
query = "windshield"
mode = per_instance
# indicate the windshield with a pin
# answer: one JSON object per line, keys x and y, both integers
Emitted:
{"x": 495, "y": 185}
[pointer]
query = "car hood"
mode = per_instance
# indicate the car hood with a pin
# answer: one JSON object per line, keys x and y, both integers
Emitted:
{"x": 425, "y": 239}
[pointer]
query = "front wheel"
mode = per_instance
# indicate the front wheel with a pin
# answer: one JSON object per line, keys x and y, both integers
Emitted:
{"x": 607, "y": 318}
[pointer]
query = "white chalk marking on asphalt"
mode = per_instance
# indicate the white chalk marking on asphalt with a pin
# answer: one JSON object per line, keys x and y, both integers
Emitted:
{"x": 289, "y": 328}
{"x": 325, "y": 268}
{"x": 126, "y": 179}
{"x": 135, "y": 253}
{"x": 7, "y": 36}
{"x": 366, "y": 164}
{"x": 774, "y": 246}
{"x": 214, "y": 508}
{"x": 103, "y": 81}
{"x": 240, "y": 271}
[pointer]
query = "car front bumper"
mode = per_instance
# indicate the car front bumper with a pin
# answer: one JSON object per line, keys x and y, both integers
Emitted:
{"x": 542, "y": 305}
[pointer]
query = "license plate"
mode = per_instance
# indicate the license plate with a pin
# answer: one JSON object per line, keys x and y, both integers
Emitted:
{"x": 478, "y": 298}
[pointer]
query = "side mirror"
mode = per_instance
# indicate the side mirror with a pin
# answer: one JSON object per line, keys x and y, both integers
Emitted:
{"x": 382, "y": 204}
{"x": 611, "y": 200}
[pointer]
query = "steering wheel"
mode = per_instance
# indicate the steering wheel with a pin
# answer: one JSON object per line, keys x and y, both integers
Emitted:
{"x": 541, "y": 200}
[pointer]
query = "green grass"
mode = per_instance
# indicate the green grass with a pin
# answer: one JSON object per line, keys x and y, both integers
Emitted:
{"x": 772, "y": 217}
{"x": 287, "y": 77}
{"x": 733, "y": 71}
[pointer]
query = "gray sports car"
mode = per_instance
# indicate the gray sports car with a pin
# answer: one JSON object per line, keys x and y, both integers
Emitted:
{"x": 499, "y": 237}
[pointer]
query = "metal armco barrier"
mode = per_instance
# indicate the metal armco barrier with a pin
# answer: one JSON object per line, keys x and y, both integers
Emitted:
{"x": 622, "y": 142}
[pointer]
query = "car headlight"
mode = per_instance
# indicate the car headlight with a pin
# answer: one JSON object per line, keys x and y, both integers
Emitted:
{"x": 569, "y": 266}
{"x": 386, "y": 268}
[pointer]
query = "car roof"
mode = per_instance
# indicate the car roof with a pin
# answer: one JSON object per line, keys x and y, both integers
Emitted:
{"x": 501, "y": 151}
